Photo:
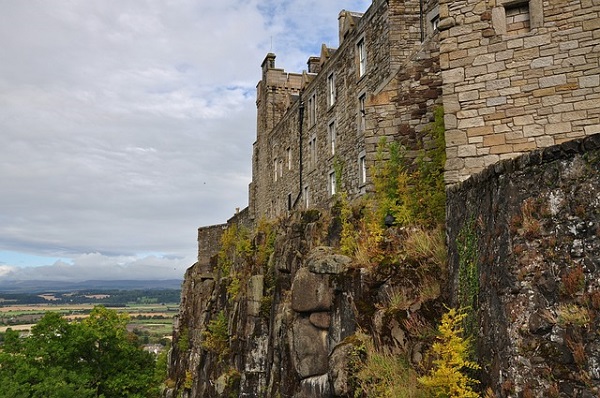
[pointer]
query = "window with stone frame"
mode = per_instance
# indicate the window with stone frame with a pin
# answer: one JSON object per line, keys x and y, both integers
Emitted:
{"x": 280, "y": 167}
{"x": 312, "y": 152}
{"x": 275, "y": 171}
{"x": 361, "y": 53}
{"x": 362, "y": 169}
{"x": 362, "y": 113}
{"x": 332, "y": 183}
{"x": 312, "y": 110}
{"x": 306, "y": 197}
{"x": 517, "y": 18}
{"x": 289, "y": 157}
{"x": 331, "y": 133}
{"x": 331, "y": 91}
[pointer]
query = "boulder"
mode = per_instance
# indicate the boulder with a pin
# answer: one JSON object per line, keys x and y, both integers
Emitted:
{"x": 309, "y": 348}
{"x": 310, "y": 292}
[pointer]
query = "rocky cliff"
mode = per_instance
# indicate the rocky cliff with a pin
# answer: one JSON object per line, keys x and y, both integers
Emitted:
{"x": 281, "y": 313}
{"x": 297, "y": 314}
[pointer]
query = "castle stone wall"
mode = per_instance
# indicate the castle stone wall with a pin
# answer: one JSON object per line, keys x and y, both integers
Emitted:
{"x": 517, "y": 76}
{"x": 295, "y": 162}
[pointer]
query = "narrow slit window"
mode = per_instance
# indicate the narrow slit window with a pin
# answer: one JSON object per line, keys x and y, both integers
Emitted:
{"x": 332, "y": 137}
{"x": 332, "y": 183}
{"x": 331, "y": 92}
{"x": 362, "y": 113}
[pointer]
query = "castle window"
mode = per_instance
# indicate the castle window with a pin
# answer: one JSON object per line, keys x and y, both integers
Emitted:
{"x": 289, "y": 201}
{"x": 289, "y": 157}
{"x": 331, "y": 92}
{"x": 332, "y": 183}
{"x": 280, "y": 167}
{"x": 306, "y": 195}
{"x": 433, "y": 17}
{"x": 332, "y": 136}
{"x": 275, "y": 174}
{"x": 312, "y": 152}
{"x": 312, "y": 110}
{"x": 362, "y": 169}
{"x": 362, "y": 113}
{"x": 434, "y": 23}
{"x": 517, "y": 18}
{"x": 362, "y": 57}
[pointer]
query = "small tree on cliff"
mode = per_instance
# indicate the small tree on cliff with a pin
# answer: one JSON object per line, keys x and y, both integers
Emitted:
{"x": 448, "y": 378}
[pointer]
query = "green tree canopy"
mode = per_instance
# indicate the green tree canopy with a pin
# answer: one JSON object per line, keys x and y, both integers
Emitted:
{"x": 96, "y": 357}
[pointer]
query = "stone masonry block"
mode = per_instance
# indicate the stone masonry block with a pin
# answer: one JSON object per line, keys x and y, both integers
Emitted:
{"x": 453, "y": 75}
{"x": 556, "y": 128}
{"x": 526, "y": 146}
{"x": 533, "y": 130}
{"x": 592, "y": 129}
{"x": 456, "y": 137}
{"x": 589, "y": 104}
{"x": 497, "y": 84}
{"x": 555, "y": 80}
{"x": 537, "y": 40}
{"x": 523, "y": 120}
{"x": 501, "y": 149}
{"x": 450, "y": 121}
{"x": 589, "y": 81}
{"x": 542, "y": 62}
{"x": 544, "y": 141}
{"x": 467, "y": 151}
{"x": 496, "y": 101}
{"x": 484, "y": 59}
{"x": 478, "y": 131}
{"x": 468, "y": 95}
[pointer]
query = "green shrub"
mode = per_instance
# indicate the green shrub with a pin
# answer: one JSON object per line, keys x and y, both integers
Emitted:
{"x": 216, "y": 338}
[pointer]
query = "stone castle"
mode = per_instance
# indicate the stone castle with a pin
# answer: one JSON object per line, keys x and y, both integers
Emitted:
{"x": 519, "y": 82}
{"x": 512, "y": 76}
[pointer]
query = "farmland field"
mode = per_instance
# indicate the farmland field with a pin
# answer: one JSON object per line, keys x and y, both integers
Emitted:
{"x": 151, "y": 319}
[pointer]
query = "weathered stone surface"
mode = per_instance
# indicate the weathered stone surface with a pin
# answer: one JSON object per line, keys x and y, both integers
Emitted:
{"x": 315, "y": 386}
{"x": 310, "y": 292}
{"x": 537, "y": 262}
{"x": 309, "y": 348}
{"x": 323, "y": 260}
{"x": 338, "y": 369}
{"x": 255, "y": 294}
{"x": 321, "y": 320}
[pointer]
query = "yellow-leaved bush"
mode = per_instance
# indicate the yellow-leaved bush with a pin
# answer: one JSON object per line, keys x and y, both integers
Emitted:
{"x": 448, "y": 378}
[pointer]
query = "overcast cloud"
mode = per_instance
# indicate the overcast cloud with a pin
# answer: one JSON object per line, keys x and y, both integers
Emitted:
{"x": 126, "y": 124}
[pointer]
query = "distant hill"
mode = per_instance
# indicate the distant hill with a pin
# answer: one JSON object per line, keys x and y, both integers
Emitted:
{"x": 60, "y": 286}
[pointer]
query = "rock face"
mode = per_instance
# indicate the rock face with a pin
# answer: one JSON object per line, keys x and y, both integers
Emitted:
{"x": 524, "y": 253}
{"x": 289, "y": 320}
{"x": 534, "y": 227}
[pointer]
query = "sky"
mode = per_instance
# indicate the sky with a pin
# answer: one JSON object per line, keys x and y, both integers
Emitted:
{"x": 127, "y": 124}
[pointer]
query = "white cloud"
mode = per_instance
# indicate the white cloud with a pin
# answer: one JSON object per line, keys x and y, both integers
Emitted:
{"x": 126, "y": 125}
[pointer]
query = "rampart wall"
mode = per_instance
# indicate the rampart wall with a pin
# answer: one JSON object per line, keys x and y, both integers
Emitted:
{"x": 524, "y": 242}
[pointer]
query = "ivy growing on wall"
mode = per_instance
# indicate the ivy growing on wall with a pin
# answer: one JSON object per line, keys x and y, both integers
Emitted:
{"x": 468, "y": 274}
